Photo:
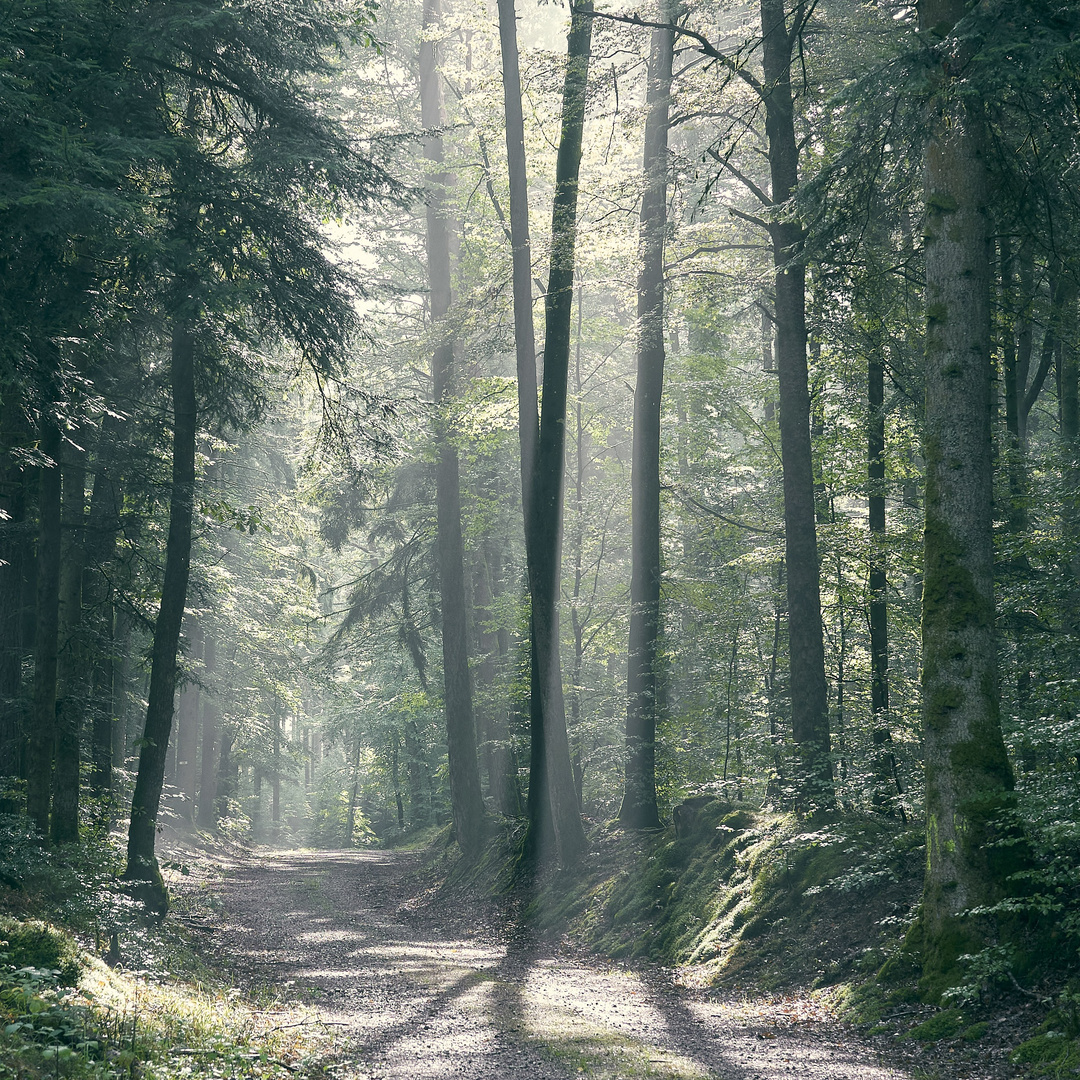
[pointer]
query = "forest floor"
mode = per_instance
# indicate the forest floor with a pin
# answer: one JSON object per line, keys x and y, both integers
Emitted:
{"x": 417, "y": 982}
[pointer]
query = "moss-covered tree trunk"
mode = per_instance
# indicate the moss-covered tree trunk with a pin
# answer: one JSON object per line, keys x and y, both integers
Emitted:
{"x": 968, "y": 777}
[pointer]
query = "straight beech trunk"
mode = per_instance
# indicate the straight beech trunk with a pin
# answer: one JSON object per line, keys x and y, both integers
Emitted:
{"x": 122, "y": 696}
{"x": 71, "y": 683}
{"x": 537, "y": 803}
{"x": 206, "y": 817}
{"x": 275, "y": 779}
{"x": 879, "y": 625}
{"x": 466, "y": 801}
{"x": 16, "y": 556}
{"x": 187, "y": 723}
{"x": 1069, "y": 397}
{"x": 558, "y": 815}
{"x": 228, "y": 777}
{"x": 415, "y": 768}
{"x": 142, "y": 866}
{"x": 43, "y": 720}
{"x": 639, "y": 810}
{"x": 103, "y": 523}
{"x": 809, "y": 697}
{"x": 968, "y": 777}
{"x": 521, "y": 248}
{"x": 498, "y": 752}
{"x": 1010, "y": 370}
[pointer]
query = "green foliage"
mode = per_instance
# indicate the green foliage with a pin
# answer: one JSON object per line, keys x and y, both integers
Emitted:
{"x": 85, "y": 1022}
{"x": 1052, "y": 1053}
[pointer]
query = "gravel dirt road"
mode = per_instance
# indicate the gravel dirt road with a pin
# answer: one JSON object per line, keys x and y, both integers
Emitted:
{"x": 416, "y": 989}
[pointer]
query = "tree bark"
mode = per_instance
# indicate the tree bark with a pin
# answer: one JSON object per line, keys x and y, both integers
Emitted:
{"x": 187, "y": 724}
{"x": 878, "y": 613}
{"x": 275, "y": 776}
{"x": 498, "y": 753}
{"x": 1069, "y": 397}
{"x": 541, "y": 835}
{"x": 521, "y": 247}
{"x": 466, "y": 801}
{"x": 560, "y": 809}
{"x": 809, "y": 697}
{"x": 16, "y": 557}
{"x": 415, "y": 768}
{"x": 639, "y": 809}
{"x": 142, "y": 867}
{"x": 228, "y": 778}
{"x": 72, "y": 686}
{"x": 206, "y": 816}
{"x": 43, "y": 726}
{"x": 103, "y": 523}
{"x": 968, "y": 777}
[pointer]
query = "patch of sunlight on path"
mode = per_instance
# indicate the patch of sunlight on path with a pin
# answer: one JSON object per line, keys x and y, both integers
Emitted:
{"x": 415, "y": 1000}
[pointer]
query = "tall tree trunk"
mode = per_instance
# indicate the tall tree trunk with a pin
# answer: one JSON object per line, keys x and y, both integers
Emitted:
{"x": 537, "y": 804}
{"x": 466, "y": 801}
{"x": 577, "y": 623}
{"x": 639, "y": 810}
{"x": 521, "y": 248}
{"x": 72, "y": 686}
{"x": 809, "y": 698}
{"x": 498, "y": 753}
{"x": 187, "y": 722}
{"x": 16, "y": 556}
{"x": 206, "y": 817}
{"x": 415, "y": 770}
{"x": 103, "y": 523}
{"x": 560, "y": 809}
{"x": 968, "y": 777}
{"x": 878, "y": 613}
{"x": 142, "y": 866}
{"x": 885, "y": 774}
{"x": 354, "y": 796}
{"x": 122, "y": 696}
{"x": 1069, "y": 397}
{"x": 43, "y": 724}
{"x": 228, "y": 776}
{"x": 102, "y": 703}
{"x": 275, "y": 779}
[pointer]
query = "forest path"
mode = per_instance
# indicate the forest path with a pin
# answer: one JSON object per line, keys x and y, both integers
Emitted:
{"x": 418, "y": 991}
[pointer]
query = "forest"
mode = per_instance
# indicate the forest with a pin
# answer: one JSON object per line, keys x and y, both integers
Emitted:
{"x": 431, "y": 421}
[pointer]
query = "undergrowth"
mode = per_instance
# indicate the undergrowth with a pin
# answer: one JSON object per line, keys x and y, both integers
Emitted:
{"x": 778, "y": 898}
{"x": 162, "y": 1014}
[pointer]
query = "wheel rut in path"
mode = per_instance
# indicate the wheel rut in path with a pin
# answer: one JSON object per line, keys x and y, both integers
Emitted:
{"x": 419, "y": 991}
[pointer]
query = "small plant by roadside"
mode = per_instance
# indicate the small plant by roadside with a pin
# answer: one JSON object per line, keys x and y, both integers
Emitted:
{"x": 83, "y": 1020}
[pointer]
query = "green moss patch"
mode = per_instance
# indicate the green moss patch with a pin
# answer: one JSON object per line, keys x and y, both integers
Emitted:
{"x": 35, "y": 944}
{"x": 1051, "y": 1054}
{"x": 942, "y": 1025}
